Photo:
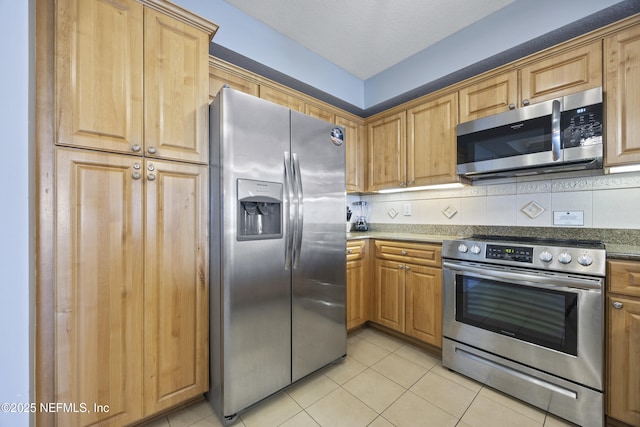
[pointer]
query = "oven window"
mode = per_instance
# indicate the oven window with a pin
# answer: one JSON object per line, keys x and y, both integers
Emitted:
{"x": 527, "y": 137}
{"x": 539, "y": 316}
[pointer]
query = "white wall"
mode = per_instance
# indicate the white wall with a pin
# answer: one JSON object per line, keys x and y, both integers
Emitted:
{"x": 15, "y": 248}
{"x": 605, "y": 201}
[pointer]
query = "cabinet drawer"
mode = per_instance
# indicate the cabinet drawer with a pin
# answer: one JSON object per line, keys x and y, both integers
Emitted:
{"x": 416, "y": 253}
{"x": 623, "y": 277}
{"x": 355, "y": 250}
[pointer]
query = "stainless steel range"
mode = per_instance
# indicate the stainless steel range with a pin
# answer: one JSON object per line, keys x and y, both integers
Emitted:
{"x": 525, "y": 316}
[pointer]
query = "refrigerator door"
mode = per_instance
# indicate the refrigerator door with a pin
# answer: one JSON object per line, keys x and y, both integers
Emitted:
{"x": 256, "y": 291}
{"x": 318, "y": 301}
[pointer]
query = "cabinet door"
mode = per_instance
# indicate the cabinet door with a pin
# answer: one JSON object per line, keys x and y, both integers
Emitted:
{"x": 387, "y": 152}
{"x": 574, "y": 71}
{"x": 355, "y": 153}
{"x": 356, "y": 298}
{"x": 98, "y": 74}
{"x": 313, "y": 111}
{"x": 389, "y": 294}
{"x": 623, "y": 388}
{"x": 489, "y": 96}
{"x": 98, "y": 287}
{"x": 219, "y": 78}
{"x": 176, "y": 284}
{"x": 621, "y": 88}
{"x": 176, "y": 86}
{"x": 281, "y": 98}
{"x": 423, "y": 291}
{"x": 431, "y": 142}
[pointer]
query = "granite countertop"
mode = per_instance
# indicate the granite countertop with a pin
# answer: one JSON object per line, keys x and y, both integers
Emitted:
{"x": 614, "y": 250}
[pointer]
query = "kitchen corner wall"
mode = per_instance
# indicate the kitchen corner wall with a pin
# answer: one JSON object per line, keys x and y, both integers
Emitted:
{"x": 605, "y": 201}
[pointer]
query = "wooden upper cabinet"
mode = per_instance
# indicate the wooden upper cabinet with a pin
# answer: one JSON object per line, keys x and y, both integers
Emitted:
{"x": 489, "y": 96}
{"x": 282, "y": 98}
{"x": 176, "y": 284}
{"x": 98, "y": 286}
{"x": 99, "y": 74}
{"x": 355, "y": 153}
{"x": 319, "y": 113}
{"x": 176, "y": 89}
{"x": 387, "y": 152}
{"x": 574, "y": 71}
{"x": 219, "y": 77}
{"x": 552, "y": 76}
{"x": 130, "y": 79}
{"x": 431, "y": 142}
{"x": 621, "y": 88}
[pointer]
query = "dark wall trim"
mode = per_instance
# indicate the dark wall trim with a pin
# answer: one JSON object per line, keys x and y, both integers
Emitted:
{"x": 582, "y": 26}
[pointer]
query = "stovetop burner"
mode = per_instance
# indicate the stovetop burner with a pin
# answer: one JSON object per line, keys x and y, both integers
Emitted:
{"x": 575, "y": 243}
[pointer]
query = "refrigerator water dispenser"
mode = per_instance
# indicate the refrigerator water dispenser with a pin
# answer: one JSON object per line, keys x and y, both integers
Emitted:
{"x": 259, "y": 210}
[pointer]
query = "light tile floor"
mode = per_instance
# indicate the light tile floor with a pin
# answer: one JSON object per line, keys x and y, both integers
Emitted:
{"x": 382, "y": 382}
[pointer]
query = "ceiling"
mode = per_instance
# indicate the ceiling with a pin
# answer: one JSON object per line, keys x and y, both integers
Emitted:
{"x": 365, "y": 37}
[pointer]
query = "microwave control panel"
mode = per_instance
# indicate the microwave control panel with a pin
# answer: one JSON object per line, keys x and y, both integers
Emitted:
{"x": 582, "y": 126}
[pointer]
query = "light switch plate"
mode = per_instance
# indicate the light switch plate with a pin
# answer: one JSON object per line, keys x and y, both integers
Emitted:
{"x": 407, "y": 209}
{"x": 568, "y": 218}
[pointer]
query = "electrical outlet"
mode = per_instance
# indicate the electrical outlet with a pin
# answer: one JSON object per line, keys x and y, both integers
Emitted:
{"x": 407, "y": 209}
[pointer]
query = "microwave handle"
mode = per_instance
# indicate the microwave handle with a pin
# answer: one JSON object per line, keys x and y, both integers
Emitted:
{"x": 555, "y": 130}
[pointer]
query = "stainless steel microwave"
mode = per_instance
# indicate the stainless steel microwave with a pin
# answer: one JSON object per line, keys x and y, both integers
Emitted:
{"x": 557, "y": 135}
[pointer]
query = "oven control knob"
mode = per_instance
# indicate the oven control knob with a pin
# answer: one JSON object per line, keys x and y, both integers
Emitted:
{"x": 564, "y": 258}
{"x": 546, "y": 256}
{"x": 475, "y": 249}
{"x": 585, "y": 260}
{"x": 462, "y": 248}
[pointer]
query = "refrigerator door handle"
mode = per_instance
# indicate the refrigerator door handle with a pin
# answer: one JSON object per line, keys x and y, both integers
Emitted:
{"x": 299, "y": 217}
{"x": 288, "y": 207}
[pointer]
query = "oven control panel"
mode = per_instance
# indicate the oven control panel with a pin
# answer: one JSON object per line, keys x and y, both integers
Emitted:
{"x": 545, "y": 256}
{"x": 510, "y": 253}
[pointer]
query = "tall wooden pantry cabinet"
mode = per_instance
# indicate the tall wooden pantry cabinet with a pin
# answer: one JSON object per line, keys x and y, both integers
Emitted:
{"x": 131, "y": 208}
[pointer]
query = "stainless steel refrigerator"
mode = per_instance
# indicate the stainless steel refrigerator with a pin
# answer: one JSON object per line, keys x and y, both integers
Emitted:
{"x": 278, "y": 248}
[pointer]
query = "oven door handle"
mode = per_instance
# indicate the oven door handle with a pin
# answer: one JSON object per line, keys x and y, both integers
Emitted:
{"x": 521, "y": 276}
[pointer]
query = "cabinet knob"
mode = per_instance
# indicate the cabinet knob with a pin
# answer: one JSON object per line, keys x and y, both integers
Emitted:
{"x": 406, "y": 267}
{"x": 136, "y": 175}
{"x": 135, "y": 148}
{"x": 151, "y": 150}
{"x": 512, "y": 106}
{"x": 403, "y": 252}
{"x": 151, "y": 176}
{"x": 349, "y": 251}
{"x": 400, "y": 266}
{"x": 525, "y": 102}
{"x": 617, "y": 304}
{"x": 150, "y": 167}
{"x": 401, "y": 184}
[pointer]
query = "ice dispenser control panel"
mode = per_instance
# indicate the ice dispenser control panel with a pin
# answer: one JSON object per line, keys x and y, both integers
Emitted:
{"x": 259, "y": 210}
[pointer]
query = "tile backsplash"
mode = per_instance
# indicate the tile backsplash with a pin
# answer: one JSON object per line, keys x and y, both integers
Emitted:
{"x": 588, "y": 201}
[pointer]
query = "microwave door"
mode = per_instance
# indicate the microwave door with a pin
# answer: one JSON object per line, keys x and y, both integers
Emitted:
{"x": 512, "y": 142}
{"x": 556, "y": 143}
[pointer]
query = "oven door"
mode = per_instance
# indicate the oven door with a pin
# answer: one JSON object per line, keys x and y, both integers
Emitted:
{"x": 549, "y": 321}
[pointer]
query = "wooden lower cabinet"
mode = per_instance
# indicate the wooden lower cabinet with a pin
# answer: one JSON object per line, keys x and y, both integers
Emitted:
{"x": 358, "y": 300}
{"x": 131, "y": 285}
{"x": 423, "y": 303}
{"x": 176, "y": 284}
{"x": 389, "y": 294}
{"x": 408, "y": 287}
{"x": 623, "y": 342}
